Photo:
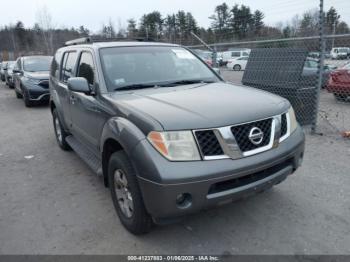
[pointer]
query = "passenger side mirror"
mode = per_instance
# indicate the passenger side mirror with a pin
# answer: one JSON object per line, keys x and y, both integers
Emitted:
{"x": 79, "y": 84}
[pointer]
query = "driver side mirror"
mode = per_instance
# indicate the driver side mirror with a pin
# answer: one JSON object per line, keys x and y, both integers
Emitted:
{"x": 79, "y": 85}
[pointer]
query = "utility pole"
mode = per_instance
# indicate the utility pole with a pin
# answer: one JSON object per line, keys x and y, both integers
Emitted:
{"x": 320, "y": 69}
{"x": 214, "y": 56}
{"x": 334, "y": 27}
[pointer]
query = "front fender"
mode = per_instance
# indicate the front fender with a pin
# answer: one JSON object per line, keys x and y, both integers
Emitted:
{"x": 122, "y": 131}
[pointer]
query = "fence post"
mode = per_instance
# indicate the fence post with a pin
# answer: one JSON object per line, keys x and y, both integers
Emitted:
{"x": 320, "y": 68}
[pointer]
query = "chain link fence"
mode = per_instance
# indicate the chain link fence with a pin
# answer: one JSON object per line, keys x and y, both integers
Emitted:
{"x": 313, "y": 73}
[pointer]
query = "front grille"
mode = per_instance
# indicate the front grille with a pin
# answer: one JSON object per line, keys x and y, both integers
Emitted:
{"x": 284, "y": 127}
{"x": 248, "y": 179}
{"x": 44, "y": 83}
{"x": 208, "y": 143}
{"x": 242, "y": 133}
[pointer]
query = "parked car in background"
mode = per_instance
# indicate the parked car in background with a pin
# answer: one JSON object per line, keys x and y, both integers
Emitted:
{"x": 8, "y": 73}
{"x": 311, "y": 71}
{"x": 166, "y": 133}
{"x": 340, "y": 53}
{"x": 316, "y": 55}
{"x": 235, "y": 53}
{"x": 339, "y": 83}
{"x": 206, "y": 56}
{"x": 31, "y": 79}
{"x": 237, "y": 64}
{"x": 2, "y": 70}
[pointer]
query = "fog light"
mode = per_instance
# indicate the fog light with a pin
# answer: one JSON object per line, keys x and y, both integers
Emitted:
{"x": 184, "y": 200}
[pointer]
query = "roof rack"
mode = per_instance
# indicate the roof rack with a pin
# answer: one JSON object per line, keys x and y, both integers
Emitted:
{"x": 91, "y": 40}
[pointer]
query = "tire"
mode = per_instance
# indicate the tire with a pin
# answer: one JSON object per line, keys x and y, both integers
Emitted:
{"x": 124, "y": 186}
{"x": 26, "y": 99}
{"x": 340, "y": 97}
{"x": 237, "y": 68}
{"x": 18, "y": 95}
{"x": 60, "y": 133}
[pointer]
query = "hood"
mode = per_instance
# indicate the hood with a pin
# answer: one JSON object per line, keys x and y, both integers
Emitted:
{"x": 42, "y": 75}
{"x": 202, "y": 106}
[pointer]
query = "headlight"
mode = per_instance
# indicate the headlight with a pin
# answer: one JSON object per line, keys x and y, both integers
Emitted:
{"x": 292, "y": 120}
{"x": 175, "y": 145}
{"x": 31, "y": 80}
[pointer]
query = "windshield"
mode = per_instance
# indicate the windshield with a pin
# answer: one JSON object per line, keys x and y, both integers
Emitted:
{"x": 149, "y": 66}
{"x": 37, "y": 64}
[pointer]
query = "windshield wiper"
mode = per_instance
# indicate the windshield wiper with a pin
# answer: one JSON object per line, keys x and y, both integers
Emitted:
{"x": 134, "y": 87}
{"x": 187, "y": 82}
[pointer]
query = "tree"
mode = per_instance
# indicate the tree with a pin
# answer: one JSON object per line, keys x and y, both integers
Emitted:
{"x": 221, "y": 21}
{"x": 44, "y": 21}
{"x": 151, "y": 25}
{"x": 258, "y": 18}
{"x": 332, "y": 20}
{"x": 83, "y": 31}
{"x": 242, "y": 21}
{"x": 132, "y": 28}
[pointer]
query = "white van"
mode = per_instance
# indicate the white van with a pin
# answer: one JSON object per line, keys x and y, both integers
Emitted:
{"x": 229, "y": 55}
{"x": 340, "y": 52}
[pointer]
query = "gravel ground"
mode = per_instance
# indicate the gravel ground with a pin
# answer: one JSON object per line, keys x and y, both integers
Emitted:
{"x": 51, "y": 203}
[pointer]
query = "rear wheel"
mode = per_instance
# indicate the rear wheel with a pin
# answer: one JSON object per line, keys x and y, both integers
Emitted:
{"x": 60, "y": 133}
{"x": 126, "y": 195}
{"x": 237, "y": 68}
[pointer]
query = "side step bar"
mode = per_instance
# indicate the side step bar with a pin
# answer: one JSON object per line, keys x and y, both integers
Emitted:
{"x": 85, "y": 154}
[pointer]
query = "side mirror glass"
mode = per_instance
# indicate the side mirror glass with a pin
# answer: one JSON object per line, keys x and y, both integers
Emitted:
{"x": 79, "y": 84}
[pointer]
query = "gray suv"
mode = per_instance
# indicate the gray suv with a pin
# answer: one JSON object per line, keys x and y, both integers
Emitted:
{"x": 166, "y": 133}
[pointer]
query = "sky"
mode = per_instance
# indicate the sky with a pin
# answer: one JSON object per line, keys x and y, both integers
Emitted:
{"x": 92, "y": 14}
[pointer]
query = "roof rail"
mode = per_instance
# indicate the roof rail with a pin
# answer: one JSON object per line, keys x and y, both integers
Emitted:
{"x": 90, "y": 40}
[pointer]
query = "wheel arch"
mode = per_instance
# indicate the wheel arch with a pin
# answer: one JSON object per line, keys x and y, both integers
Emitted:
{"x": 118, "y": 134}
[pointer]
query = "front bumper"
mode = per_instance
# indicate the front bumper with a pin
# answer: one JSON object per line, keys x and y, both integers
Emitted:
{"x": 211, "y": 183}
{"x": 36, "y": 92}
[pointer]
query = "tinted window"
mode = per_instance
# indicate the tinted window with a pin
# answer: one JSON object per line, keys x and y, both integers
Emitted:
{"x": 56, "y": 65}
{"x": 245, "y": 54}
{"x": 235, "y": 54}
{"x": 123, "y": 66}
{"x": 86, "y": 67}
{"x": 37, "y": 64}
{"x": 69, "y": 64}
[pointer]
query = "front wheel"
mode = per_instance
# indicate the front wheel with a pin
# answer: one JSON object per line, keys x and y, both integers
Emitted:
{"x": 18, "y": 95}
{"x": 237, "y": 68}
{"x": 60, "y": 133}
{"x": 26, "y": 99}
{"x": 126, "y": 195}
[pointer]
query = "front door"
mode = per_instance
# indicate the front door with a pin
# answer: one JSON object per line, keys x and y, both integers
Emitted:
{"x": 88, "y": 117}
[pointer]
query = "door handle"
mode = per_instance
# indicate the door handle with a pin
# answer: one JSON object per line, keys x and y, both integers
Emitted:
{"x": 72, "y": 99}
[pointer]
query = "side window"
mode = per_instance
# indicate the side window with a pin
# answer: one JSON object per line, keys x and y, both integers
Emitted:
{"x": 68, "y": 66}
{"x": 18, "y": 64}
{"x": 245, "y": 54}
{"x": 56, "y": 65}
{"x": 235, "y": 54}
{"x": 86, "y": 67}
